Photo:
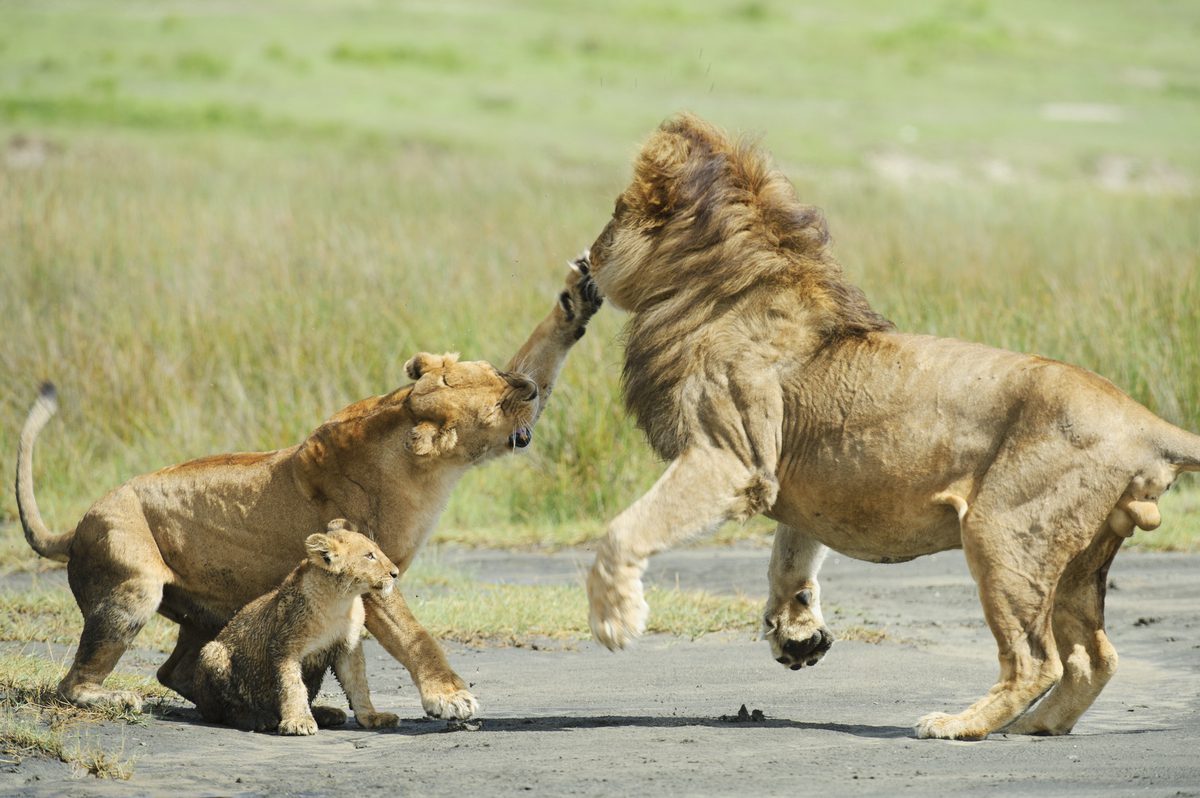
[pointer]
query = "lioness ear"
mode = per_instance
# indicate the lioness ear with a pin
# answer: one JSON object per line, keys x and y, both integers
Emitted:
{"x": 427, "y": 438}
{"x": 320, "y": 548}
{"x": 420, "y": 363}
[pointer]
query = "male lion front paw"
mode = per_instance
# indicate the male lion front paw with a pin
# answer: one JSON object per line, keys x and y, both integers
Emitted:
{"x": 618, "y": 608}
{"x": 376, "y": 720}
{"x": 943, "y": 726}
{"x": 298, "y": 727}
{"x": 455, "y": 704}
{"x": 580, "y": 298}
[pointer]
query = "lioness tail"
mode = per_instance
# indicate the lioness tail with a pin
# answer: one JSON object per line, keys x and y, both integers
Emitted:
{"x": 48, "y": 545}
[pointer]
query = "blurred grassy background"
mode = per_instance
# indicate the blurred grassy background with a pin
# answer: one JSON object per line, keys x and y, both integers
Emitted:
{"x": 220, "y": 222}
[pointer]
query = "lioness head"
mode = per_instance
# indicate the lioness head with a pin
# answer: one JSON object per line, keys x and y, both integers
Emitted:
{"x": 343, "y": 551}
{"x": 698, "y": 205}
{"x": 468, "y": 410}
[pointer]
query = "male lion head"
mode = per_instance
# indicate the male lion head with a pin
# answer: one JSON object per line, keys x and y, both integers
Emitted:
{"x": 702, "y": 210}
{"x": 469, "y": 411}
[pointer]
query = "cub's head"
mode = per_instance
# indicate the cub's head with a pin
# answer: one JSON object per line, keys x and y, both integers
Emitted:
{"x": 353, "y": 557}
{"x": 467, "y": 411}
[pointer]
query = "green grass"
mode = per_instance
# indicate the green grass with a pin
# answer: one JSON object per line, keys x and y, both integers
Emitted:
{"x": 222, "y": 223}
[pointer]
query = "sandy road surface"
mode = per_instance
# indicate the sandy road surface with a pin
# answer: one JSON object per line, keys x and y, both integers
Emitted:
{"x": 587, "y": 722}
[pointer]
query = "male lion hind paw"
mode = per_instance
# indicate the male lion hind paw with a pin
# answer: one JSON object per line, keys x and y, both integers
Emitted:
{"x": 458, "y": 704}
{"x": 377, "y": 720}
{"x": 943, "y": 726}
{"x": 298, "y": 727}
{"x": 618, "y": 608}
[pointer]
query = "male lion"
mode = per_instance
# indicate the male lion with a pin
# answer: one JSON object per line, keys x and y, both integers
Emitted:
{"x": 266, "y": 666}
{"x": 197, "y": 541}
{"x": 772, "y": 387}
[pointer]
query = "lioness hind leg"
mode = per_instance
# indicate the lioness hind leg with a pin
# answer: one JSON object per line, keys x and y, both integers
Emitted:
{"x": 110, "y": 626}
{"x": 1089, "y": 660}
{"x": 178, "y": 672}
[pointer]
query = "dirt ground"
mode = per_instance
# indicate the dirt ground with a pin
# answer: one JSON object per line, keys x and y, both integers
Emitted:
{"x": 662, "y": 716}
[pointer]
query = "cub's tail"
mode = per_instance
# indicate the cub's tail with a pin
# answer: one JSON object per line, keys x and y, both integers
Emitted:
{"x": 54, "y": 547}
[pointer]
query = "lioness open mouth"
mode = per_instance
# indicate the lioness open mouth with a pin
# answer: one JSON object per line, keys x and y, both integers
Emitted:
{"x": 521, "y": 438}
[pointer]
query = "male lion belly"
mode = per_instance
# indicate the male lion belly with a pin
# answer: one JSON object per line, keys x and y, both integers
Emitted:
{"x": 870, "y": 527}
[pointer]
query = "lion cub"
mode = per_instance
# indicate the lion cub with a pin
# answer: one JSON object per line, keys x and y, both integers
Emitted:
{"x": 265, "y": 667}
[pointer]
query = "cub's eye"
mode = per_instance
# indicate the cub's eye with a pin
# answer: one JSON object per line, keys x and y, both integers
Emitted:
{"x": 370, "y": 555}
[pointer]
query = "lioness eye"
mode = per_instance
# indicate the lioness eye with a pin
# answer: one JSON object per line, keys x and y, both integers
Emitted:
{"x": 370, "y": 555}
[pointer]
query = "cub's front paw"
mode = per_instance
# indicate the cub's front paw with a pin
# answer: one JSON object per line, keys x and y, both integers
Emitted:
{"x": 299, "y": 727}
{"x": 376, "y": 720}
{"x": 617, "y": 605}
{"x": 328, "y": 716}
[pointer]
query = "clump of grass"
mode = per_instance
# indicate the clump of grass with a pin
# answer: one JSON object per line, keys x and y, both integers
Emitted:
{"x": 51, "y": 616}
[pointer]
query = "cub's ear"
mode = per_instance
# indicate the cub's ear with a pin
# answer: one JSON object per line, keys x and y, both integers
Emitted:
{"x": 426, "y": 438}
{"x": 321, "y": 549}
{"x": 422, "y": 362}
{"x": 341, "y": 523}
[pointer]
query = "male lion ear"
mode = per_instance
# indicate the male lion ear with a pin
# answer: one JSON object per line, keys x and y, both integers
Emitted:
{"x": 320, "y": 548}
{"x": 427, "y": 438}
{"x": 654, "y": 189}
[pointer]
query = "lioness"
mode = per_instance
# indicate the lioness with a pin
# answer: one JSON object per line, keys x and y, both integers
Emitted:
{"x": 266, "y": 666}
{"x": 195, "y": 542}
{"x": 772, "y": 386}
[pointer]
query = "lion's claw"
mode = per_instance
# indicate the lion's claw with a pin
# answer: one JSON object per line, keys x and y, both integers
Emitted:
{"x": 458, "y": 704}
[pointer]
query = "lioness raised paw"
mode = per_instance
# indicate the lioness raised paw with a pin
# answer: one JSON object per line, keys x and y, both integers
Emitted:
{"x": 618, "y": 608}
{"x": 458, "y": 704}
{"x": 298, "y": 727}
{"x": 377, "y": 720}
{"x": 943, "y": 726}
{"x": 580, "y": 298}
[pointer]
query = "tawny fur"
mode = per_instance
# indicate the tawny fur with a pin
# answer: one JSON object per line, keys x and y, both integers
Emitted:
{"x": 197, "y": 541}
{"x": 264, "y": 669}
{"x": 771, "y": 386}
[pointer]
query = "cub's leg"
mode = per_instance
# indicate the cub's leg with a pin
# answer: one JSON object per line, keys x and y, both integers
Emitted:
{"x": 295, "y": 716}
{"x": 443, "y": 693}
{"x": 1089, "y": 660}
{"x": 793, "y": 624}
{"x": 700, "y": 490}
{"x": 350, "y": 668}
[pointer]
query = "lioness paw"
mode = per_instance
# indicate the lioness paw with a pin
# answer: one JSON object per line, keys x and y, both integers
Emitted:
{"x": 617, "y": 605}
{"x": 377, "y": 720}
{"x": 943, "y": 726}
{"x": 580, "y": 298}
{"x": 458, "y": 704}
{"x": 298, "y": 727}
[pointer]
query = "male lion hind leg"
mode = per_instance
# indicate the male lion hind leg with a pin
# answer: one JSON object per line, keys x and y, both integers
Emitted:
{"x": 1089, "y": 660}
{"x": 700, "y": 490}
{"x": 1017, "y": 551}
{"x": 443, "y": 693}
{"x": 792, "y": 623}
{"x": 351, "y": 671}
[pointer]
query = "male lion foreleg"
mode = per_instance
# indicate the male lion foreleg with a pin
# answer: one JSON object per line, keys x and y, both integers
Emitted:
{"x": 1089, "y": 660}
{"x": 699, "y": 491}
{"x": 443, "y": 693}
{"x": 793, "y": 624}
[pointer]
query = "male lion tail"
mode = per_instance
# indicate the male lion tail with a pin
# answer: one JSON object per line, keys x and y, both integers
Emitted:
{"x": 54, "y": 547}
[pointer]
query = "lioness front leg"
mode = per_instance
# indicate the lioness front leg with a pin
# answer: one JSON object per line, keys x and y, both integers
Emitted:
{"x": 443, "y": 693}
{"x": 351, "y": 671}
{"x": 793, "y": 624}
{"x": 700, "y": 490}
{"x": 542, "y": 356}
{"x": 295, "y": 716}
